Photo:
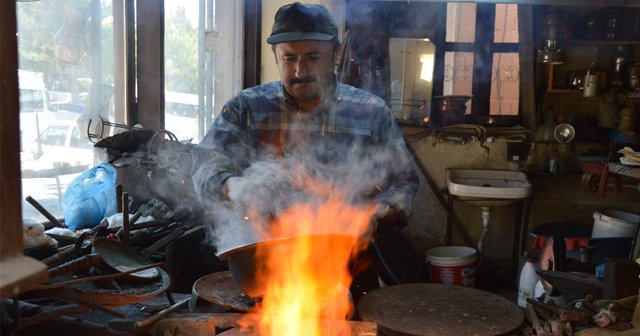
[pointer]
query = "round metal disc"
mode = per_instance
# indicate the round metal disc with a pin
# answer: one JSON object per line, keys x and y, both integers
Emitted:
{"x": 220, "y": 289}
{"x": 439, "y": 310}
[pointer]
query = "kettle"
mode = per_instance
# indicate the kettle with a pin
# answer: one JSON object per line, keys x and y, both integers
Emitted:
{"x": 608, "y": 111}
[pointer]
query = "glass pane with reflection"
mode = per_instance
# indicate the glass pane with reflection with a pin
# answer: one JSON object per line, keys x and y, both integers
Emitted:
{"x": 66, "y": 80}
{"x": 506, "y": 25}
{"x": 412, "y": 62}
{"x": 458, "y": 74}
{"x": 461, "y": 22}
{"x": 203, "y": 63}
{"x": 505, "y": 84}
{"x": 183, "y": 72}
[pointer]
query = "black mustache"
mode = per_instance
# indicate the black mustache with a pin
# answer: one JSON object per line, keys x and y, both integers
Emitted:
{"x": 303, "y": 80}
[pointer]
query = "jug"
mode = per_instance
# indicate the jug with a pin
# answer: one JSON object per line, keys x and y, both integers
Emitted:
{"x": 591, "y": 82}
{"x": 608, "y": 112}
{"x": 627, "y": 120}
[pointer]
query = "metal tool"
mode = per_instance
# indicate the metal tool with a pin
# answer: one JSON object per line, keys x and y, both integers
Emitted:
{"x": 564, "y": 315}
{"x": 122, "y": 257}
{"x": 44, "y": 212}
{"x": 139, "y": 326}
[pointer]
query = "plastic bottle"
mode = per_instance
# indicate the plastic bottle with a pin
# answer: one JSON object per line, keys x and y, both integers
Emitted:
{"x": 554, "y": 166}
{"x": 527, "y": 282}
{"x": 545, "y": 132}
{"x": 532, "y": 164}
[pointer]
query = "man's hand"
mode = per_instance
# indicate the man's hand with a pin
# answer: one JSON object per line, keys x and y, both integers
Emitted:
{"x": 389, "y": 218}
{"x": 224, "y": 193}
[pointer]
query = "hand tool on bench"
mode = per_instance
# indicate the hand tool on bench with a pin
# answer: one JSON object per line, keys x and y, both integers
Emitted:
{"x": 564, "y": 315}
{"x": 122, "y": 257}
{"x": 139, "y": 326}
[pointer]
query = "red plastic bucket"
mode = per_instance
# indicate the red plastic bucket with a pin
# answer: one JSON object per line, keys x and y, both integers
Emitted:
{"x": 453, "y": 265}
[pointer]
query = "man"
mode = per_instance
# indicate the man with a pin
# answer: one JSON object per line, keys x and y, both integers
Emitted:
{"x": 307, "y": 106}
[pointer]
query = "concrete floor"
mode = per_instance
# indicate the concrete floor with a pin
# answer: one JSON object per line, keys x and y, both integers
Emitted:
{"x": 493, "y": 277}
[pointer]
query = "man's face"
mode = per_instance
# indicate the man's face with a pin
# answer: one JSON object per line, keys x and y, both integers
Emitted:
{"x": 306, "y": 68}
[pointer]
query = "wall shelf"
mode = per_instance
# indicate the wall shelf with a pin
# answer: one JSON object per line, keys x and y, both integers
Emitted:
{"x": 550, "y": 77}
{"x": 602, "y": 42}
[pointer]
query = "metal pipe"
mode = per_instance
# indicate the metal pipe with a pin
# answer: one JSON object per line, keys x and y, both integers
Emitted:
{"x": 486, "y": 214}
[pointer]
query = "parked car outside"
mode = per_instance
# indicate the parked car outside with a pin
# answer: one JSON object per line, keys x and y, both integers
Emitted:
{"x": 37, "y": 111}
{"x": 62, "y": 149}
{"x": 181, "y": 104}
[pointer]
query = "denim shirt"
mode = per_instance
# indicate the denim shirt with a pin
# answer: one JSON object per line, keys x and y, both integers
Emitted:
{"x": 265, "y": 119}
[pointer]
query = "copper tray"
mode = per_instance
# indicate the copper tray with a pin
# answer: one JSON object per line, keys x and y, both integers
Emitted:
{"x": 90, "y": 292}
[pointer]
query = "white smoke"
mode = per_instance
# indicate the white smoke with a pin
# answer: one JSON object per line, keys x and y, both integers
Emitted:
{"x": 273, "y": 184}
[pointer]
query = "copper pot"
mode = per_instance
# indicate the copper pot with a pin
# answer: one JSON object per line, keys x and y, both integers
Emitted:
{"x": 248, "y": 264}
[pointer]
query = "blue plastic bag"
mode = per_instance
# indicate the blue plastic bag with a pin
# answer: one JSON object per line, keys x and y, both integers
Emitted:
{"x": 90, "y": 197}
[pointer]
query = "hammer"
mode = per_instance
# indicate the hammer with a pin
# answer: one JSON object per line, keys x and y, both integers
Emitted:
{"x": 134, "y": 326}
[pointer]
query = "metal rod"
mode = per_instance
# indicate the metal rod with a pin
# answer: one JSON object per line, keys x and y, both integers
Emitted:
{"x": 96, "y": 278}
{"x": 44, "y": 212}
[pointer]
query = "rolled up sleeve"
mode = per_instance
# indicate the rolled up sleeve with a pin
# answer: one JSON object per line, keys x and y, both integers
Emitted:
{"x": 224, "y": 151}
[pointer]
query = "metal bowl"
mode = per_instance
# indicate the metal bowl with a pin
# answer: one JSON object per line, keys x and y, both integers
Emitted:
{"x": 248, "y": 263}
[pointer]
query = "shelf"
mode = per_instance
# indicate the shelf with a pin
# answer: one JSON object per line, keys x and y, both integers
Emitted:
{"x": 601, "y": 42}
{"x": 626, "y": 170}
{"x": 555, "y": 90}
{"x": 550, "y": 88}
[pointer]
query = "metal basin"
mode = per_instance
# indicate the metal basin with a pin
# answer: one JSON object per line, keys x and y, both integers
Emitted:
{"x": 248, "y": 264}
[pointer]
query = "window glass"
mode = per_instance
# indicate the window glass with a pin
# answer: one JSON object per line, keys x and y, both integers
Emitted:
{"x": 203, "y": 63}
{"x": 31, "y": 100}
{"x": 66, "y": 76}
{"x": 411, "y": 77}
{"x": 501, "y": 52}
{"x": 505, "y": 84}
{"x": 458, "y": 74}
{"x": 461, "y": 22}
{"x": 183, "y": 74}
{"x": 77, "y": 140}
{"x": 506, "y": 25}
{"x": 54, "y": 135}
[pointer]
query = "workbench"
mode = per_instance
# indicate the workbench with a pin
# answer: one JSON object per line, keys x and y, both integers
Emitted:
{"x": 624, "y": 170}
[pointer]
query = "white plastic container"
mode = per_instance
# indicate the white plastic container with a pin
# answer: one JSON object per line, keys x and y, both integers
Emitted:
{"x": 614, "y": 224}
{"x": 527, "y": 283}
{"x": 453, "y": 265}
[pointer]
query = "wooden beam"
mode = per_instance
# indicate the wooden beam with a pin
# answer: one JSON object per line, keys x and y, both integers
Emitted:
{"x": 527, "y": 61}
{"x": 252, "y": 35}
{"x": 579, "y": 3}
{"x": 17, "y": 272}
{"x": 150, "y": 64}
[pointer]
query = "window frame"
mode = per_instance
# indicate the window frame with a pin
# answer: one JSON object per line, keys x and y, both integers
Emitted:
{"x": 17, "y": 271}
{"x": 483, "y": 48}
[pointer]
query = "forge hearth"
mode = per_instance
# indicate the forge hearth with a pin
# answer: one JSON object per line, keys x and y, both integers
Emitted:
{"x": 419, "y": 309}
{"x": 358, "y": 328}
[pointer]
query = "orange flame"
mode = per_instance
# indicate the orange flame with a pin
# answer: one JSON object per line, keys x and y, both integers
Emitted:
{"x": 307, "y": 279}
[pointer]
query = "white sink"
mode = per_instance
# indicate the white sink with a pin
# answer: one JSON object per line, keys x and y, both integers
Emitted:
{"x": 488, "y": 187}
